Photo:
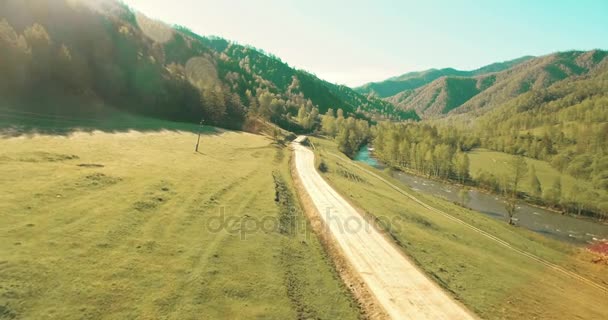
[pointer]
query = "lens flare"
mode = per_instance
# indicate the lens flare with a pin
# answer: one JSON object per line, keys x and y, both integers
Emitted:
{"x": 201, "y": 72}
{"x": 154, "y": 29}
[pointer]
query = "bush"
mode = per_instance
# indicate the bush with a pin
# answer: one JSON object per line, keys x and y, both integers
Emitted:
{"x": 323, "y": 167}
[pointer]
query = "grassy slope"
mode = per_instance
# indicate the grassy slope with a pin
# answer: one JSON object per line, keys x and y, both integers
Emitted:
{"x": 496, "y": 162}
{"x": 130, "y": 239}
{"x": 493, "y": 281}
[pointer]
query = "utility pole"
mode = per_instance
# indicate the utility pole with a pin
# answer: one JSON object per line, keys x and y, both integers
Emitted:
{"x": 199, "y": 135}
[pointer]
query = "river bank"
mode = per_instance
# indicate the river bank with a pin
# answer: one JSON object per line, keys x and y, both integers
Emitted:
{"x": 575, "y": 230}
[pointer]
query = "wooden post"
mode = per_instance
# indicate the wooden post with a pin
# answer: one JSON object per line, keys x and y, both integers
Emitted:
{"x": 199, "y": 135}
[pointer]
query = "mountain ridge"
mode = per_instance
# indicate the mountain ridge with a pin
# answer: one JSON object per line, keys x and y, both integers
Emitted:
{"x": 416, "y": 79}
{"x": 478, "y": 93}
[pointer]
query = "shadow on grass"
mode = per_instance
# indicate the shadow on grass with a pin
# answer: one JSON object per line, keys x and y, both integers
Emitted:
{"x": 15, "y": 123}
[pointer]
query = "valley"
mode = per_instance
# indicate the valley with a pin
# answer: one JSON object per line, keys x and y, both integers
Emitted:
{"x": 155, "y": 164}
{"x": 569, "y": 228}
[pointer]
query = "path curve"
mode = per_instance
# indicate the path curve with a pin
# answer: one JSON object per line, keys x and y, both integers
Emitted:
{"x": 400, "y": 287}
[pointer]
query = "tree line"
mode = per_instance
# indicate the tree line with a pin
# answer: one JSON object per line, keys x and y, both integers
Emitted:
{"x": 436, "y": 152}
{"x": 350, "y": 133}
{"x": 440, "y": 151}
{"x": 565, "y": 125}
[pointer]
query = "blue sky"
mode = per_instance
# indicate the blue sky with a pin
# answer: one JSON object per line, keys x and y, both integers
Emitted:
{"x": 354, "y": 42}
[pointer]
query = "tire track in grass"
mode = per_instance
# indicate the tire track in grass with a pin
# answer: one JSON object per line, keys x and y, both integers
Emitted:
{"x": 173, "y": 245}
{"x": 192, "y": 206}
{"x": 132, "y": 220}
{"x": 211, "y": 201}
{"x": 496, "y": 239}
{"x": 173, "y": 284}
{"x": 91, "y": 203}
{"x": 55, "y": 197}
{"x": 199, "y": 262}
{"x": 207, "y": 243}
{"x": 76, "y": 220}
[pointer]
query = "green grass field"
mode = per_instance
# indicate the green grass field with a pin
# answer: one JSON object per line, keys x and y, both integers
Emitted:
{"x": 493, "y": 281}
{"x": 497, "y": 163}
{"x": 121, "y": 226}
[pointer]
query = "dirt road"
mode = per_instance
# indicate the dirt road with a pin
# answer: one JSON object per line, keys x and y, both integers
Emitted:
{"x": 400, "y": 288}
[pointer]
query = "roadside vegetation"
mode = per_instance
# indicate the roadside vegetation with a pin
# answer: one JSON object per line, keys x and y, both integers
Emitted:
{"x": 492, "y": 280}
{"x": 127, "y": 225}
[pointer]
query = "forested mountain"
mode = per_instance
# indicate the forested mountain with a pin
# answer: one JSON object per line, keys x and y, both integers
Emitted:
{"x": 559, "y": 116}
{"x": 480, "y": 93}
{"x": 90, "y": 58}
{"x": 442, "y": 95}
{"x": 565, "y": 124}
{"x": 414, "y": 80}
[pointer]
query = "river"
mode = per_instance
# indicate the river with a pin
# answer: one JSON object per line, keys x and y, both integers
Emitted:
{"x": 551, "y": 224}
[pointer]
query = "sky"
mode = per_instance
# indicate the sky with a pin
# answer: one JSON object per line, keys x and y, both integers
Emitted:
{"x": 355, "y": 42}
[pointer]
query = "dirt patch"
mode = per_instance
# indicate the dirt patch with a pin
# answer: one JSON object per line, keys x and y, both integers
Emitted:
{"x": 147, "y": 204}
{"x": 90, "y": 165}
{"x": 153, "y": 199}
{"x": 419, "y": 220}
{"x": 368, "y": 304}
{"x": 98, "y": 180}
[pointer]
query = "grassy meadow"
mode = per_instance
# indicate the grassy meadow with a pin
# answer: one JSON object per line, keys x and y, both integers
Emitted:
{"x": 493, "y": 281}
{"x": 126, "y": 226}
{"x": 498, "y": 164}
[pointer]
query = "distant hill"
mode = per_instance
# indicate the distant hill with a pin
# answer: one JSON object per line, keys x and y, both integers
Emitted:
{"x": 480, "y": 93}
{"x": 552, "y": 108}
{"x": 414, "y": 80}
{"x": 442, "y": 95}
{"x": 535, "y": 74}
{"x": 80, "y": 58}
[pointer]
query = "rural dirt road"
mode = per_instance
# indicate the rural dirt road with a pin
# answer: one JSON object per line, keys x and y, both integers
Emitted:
{"x": 398, "y": 285}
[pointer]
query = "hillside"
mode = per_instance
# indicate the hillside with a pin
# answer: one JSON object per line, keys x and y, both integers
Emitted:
{"x": 561, "y": 127}
{"x": 442, "y": 95}
{"x": 480, "y": 93}
{"x": 414, "y": 80}
{"x": 566, "y": 124}
{"x": 91, "y": 59}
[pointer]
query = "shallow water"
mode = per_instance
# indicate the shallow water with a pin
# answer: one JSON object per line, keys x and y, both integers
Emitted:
{"x": 545, "y": 222}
